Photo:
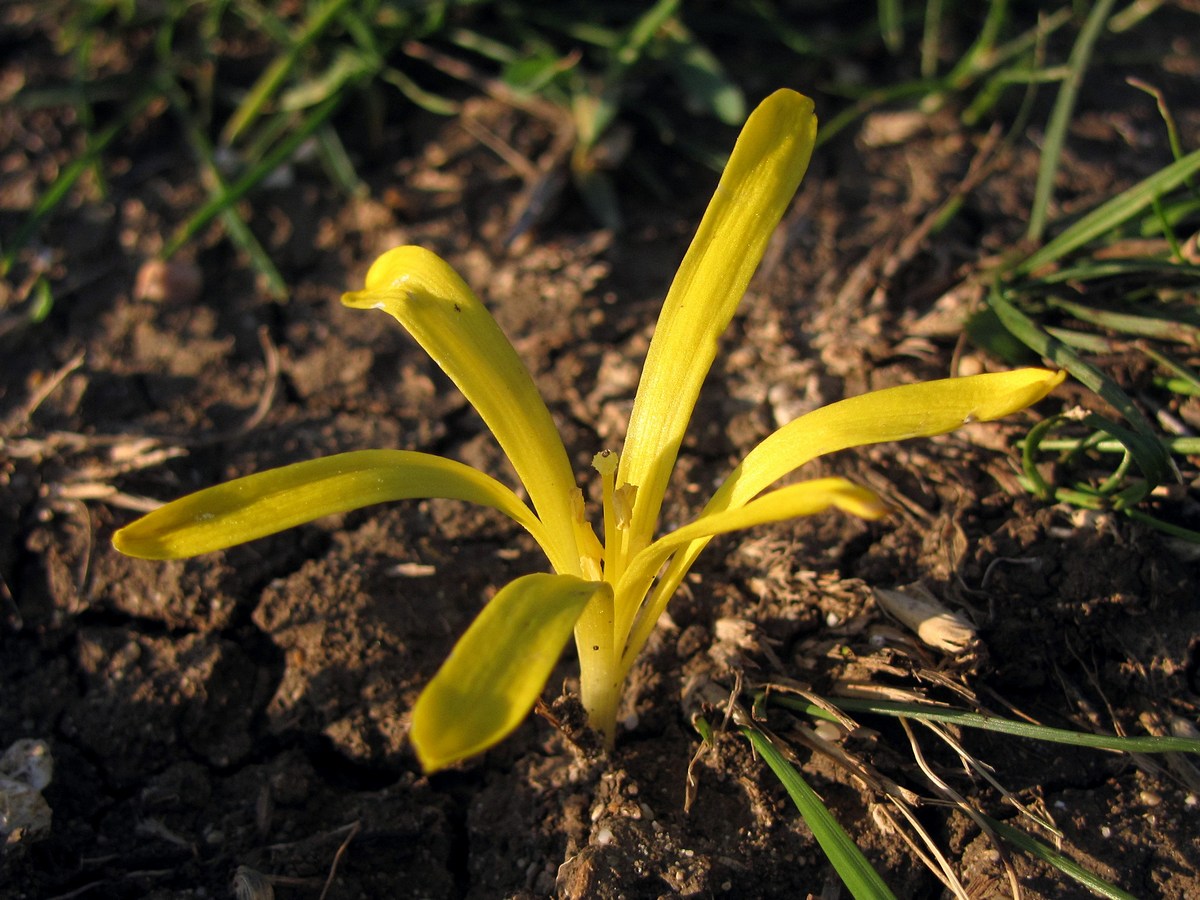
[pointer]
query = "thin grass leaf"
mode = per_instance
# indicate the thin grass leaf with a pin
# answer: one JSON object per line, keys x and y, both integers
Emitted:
{"x": 561, "y": 21}
{"x": 487, "y": 46}
{"x": 595, "y": 110}
{"x": 1047, "y": 854}
{"x": 983, "y": 52}
{"x": 891, "y": 24}
{"x": 643, "y": 30}
{"x": 278, "y": 71}
{"x": 1167, "y": 231}
{"x": 704, "y": 80}
{"x": 1168, "y": 528}
{"x": 337, "y": 164}
{"x": 57, "y": 192}
{"x": 259, "y": 16}
{"x": 879, "y": 97}
{"x": 795, "y": 39}
{"x": 989, "y": 95}
{"x": 1060, "y": 116}
{"x": 236, "y": 229}
{"x": 967, "y": 719}
{"x": 41, "y": 301}
{"x": 349, "y": 65}
{"x": 1177, "y": 212}
{"x": 1142, "y": 268}
{"x": 1187, "y": 379}
{"x": 1165, "y": 112}
{"x": 1089, "y": 499}
{"x": 1135, "y": 447}
{"x": 1153, "y": 460}
{"x": 931, "y": 37}
{"x": 1081, "y": 340}
{"x": 234, "y": 192}
{"x": 1182, "y": 446}
{"x": 1112, "y": 214}
{"x": 1161, "y": 327}
{"x": 426, "y": 100}
{"x": 859, "y": 875}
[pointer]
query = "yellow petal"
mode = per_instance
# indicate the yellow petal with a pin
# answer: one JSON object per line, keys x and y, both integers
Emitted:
{"x": 892, "y": 414}
{"x": 759, "y": 181}
{"x": 804, "y": 499}
{"x": 498, "y": 668}
{"x": 445, "y": 317}
{"x": 262, "y": 504}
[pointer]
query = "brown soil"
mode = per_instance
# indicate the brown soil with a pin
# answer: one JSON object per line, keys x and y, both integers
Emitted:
{"x": 241, "y": 718}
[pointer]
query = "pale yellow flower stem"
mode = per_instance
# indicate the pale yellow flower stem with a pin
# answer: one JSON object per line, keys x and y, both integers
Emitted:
{"x": 595, "y": 636}
{"x": 599, "y": 682}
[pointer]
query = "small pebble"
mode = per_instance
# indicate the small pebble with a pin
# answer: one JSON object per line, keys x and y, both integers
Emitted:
{"x": 160, "y": 280}
{"x": 827, "y": 731}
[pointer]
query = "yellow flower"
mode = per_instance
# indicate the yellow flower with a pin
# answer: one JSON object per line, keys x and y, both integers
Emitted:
{"x": 608, "y": 592}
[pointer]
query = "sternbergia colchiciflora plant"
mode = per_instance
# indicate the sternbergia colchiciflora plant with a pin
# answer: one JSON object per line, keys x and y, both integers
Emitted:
{"x": 607, "y": 585}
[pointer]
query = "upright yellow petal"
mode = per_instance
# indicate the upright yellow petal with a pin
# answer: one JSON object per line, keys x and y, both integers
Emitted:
{"x": 268, "y": 502}
{"x": 445, "y": 317}
{"x": 762, "y": 175}
{"x": 498, "y": 668}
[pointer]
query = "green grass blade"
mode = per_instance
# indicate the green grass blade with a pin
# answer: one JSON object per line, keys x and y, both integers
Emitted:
{"x": 337, "y": 163}
{"x": 858, "y": 874}
{"x": 643, "y": 30}
{"x": 983, "y": 50}
{"x": 234, "y": 192}
{"x": 1164, "y": 112}
{"x": 1185, "y": 379}
{"x": 1067, "y": 866}
{"x": 1060, "y": 116}
{"x": 891, "y": 24}
{"x": 277, "y": 72}
{"x": 1141, "y": 269}
{"x": 967, "y": 719}
{"x": 704, "y": 80}
{"x": 1115, "y": 212}
{"x": 349, "y": 66}
{"x": 931, "y": 35}
{"x": 426, "y": 100}
{"x": 878, "y": 97}
{"x": 778, "y": 24}
{"x": 57, "y": 192}
{"x": 1155, "y": 463}
{"x": 1160, "y": 327}
{"x": 1081, "y": 340}
{"x": 1185, "y": 446}
{"x": 236, "y": 229}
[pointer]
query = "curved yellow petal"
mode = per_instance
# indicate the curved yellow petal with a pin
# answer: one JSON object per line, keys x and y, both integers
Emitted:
{"x": 496, "y": 671}
{"x": 766, "y": 166}
{"x": 891, "y": 414}
{"x": 267, "y": 502}
{"x": 445, "y": 317}
{"x": 804, "y": 499}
